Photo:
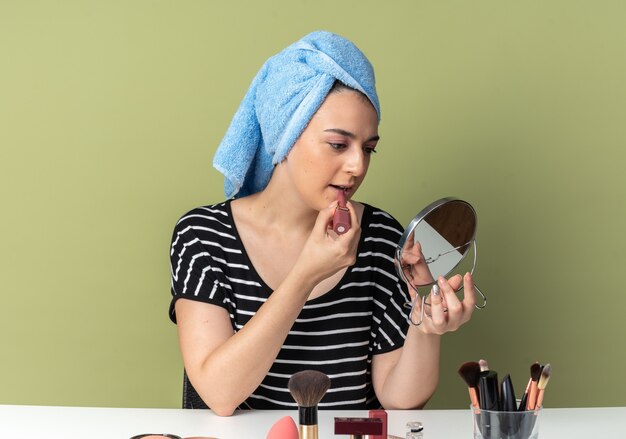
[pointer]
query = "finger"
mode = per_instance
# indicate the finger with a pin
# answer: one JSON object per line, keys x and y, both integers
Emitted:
{"x": 324, "y": 219}
{"x": 354, "y": 219}
{"x": 408, "y": 243}
{"x": 408, "y": 257}
{"x": 469, "y": 295}
{"x": 437, "y": 314}
{"x": 455, "y": 307}
{"x": 412, "y": 252}
{"x": 455, "y": 282}
{"x": 422, "y": 272}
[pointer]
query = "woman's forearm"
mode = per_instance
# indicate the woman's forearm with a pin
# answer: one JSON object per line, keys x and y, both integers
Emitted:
{"x": 413, "y": 379}
{"x": 231, "y": 372}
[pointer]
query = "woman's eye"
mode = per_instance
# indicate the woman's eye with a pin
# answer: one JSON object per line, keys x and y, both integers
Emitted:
{"x": 369, "y": 150}
{"x": 337, "y": 145}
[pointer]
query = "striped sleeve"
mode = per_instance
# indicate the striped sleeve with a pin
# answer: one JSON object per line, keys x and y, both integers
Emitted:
{"x": 390, "y": 317}
{"x": 195, "y": 273}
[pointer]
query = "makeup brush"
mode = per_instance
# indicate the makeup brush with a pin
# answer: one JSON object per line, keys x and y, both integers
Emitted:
{"x": 524, "y": 401}
{"x": 543, "y": 382}
{"x": 484, "y": 366}
{"x": 535, "y": 373}
{"x": 470, "y": 372}
{"x": 307, "y": 388}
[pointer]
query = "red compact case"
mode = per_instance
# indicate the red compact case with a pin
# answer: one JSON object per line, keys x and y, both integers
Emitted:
{"x": 358, "y": 427}
{"x": 382, "y": 415}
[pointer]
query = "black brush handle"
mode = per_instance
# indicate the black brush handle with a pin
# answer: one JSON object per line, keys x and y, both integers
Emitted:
{"x": 508, "y": 402}
{"x": 307, "y": 415}
{"x": 488, "y": 390}
{"x": 509, "y": 421}
{"x": 488, "y": 394}
{"x": 522, "y": 403}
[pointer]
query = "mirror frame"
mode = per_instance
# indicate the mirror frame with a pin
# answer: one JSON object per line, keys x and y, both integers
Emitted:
{"x": 405, "y": 236}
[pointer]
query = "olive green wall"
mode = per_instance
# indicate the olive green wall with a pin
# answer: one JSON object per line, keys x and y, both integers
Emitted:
{"x": 110, "y": 113}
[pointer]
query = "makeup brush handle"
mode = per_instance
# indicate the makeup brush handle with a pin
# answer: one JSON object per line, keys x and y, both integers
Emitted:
{"x": 308, "y": 431}
{"x": 523, "y": 403}
{"x": 539, "y": 399}
{"x": 473, "y": 394}
{"x": 532, "y": 396}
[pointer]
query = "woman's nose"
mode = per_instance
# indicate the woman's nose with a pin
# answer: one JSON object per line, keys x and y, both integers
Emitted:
{"x": 357, "y": 162}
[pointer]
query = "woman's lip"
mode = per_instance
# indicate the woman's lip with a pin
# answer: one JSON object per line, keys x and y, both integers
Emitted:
{"x": 346, "y": 189}
{"x": 339, "y": 186}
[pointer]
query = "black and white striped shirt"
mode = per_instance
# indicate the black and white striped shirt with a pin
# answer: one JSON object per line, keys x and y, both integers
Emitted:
{"x": 336, "y": 333}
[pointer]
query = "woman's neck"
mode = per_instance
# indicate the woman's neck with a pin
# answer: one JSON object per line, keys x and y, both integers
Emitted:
{"x": 278, "y": 210}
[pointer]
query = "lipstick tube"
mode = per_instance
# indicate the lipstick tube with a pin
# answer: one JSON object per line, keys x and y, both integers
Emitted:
{"x": 341, "y": 218}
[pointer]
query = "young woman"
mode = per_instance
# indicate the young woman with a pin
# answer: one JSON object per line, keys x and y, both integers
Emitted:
{"x": 262, "y": 286}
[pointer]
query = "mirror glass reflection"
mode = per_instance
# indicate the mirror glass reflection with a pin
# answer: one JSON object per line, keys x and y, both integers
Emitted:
{"x": 435, "y": 242}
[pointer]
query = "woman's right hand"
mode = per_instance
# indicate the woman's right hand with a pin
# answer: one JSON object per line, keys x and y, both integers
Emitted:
{"x": 325, "y": 253}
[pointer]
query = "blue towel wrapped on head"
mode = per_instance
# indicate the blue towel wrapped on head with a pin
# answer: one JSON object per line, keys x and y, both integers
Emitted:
{"x": 282, "y": 99}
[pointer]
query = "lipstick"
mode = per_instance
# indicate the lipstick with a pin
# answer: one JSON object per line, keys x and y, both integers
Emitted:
{"x": 341, "y": 218}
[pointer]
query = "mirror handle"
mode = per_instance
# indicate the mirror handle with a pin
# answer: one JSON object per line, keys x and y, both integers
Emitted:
{"x": 412, "y": 306}
{"x": 484, "y": 304}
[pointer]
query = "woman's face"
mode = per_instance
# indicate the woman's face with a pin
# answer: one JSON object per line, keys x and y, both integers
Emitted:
{"x": 334, "y": 151}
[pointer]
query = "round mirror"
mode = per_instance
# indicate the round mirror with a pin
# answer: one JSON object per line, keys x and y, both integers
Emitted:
{"x": 434, "y": 243}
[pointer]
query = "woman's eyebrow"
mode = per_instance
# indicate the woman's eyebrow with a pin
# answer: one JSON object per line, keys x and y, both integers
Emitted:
{"x": 349, "y": 134}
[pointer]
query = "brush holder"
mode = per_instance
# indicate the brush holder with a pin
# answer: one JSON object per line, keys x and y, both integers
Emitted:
{"x": 491, "y": 424}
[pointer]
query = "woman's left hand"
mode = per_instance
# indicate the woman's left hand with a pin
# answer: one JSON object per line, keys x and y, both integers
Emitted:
{"x": 445, "y": 312}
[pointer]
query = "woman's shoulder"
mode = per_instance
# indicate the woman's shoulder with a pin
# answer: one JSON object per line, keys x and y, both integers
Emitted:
{"x": 376, "y": 216}
{"x": 212, "y": 215}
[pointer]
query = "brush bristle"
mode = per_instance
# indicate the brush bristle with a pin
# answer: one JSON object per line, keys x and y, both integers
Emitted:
{"x": 483, "y": 365}
{"x": 545, "y": 376}
{"x": 308, "y": 387}
{"x": 535, "y": 371}
{"x": 470, "y": 372}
